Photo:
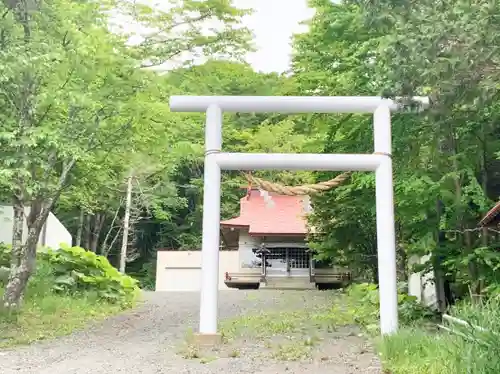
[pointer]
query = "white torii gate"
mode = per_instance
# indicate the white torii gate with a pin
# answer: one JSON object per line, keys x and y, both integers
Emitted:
{"x": 216, "y": 160}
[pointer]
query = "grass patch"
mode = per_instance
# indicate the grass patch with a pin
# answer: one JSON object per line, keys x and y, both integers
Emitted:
{"x": 474, "y": 351}
{"x": 51, "y": 315}
{"x": 327, "y": 314}
{"x": 268, "y": 324}
{"x": 419, "y": 347}
{"x": 70, "y": 288}
{"x": 293, "y": 333}
{"x": 415, "y": 351}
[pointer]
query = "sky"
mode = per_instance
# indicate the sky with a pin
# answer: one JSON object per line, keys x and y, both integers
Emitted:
{"x": 273, "y": 23}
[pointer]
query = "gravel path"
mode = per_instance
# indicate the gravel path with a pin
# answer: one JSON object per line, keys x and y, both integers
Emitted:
{"x": 266, "y": 332}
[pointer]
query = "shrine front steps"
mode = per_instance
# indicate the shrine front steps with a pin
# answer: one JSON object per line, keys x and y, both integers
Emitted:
{"x": 288, "y": 283}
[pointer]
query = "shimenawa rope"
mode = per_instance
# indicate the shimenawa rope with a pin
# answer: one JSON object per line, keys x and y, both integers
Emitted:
{"x": 305, "y": 189}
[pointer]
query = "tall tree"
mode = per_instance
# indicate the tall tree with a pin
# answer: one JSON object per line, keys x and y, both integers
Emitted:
{"x": 446, "y": 157}
{"x": 70, "y": 96}
{"x": 448, "y": 50}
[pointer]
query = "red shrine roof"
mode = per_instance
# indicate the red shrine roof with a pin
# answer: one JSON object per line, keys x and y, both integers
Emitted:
{"x": 284, "y": 216}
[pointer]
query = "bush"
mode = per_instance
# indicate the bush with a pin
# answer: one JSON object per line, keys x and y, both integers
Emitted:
{"x": 365, "y": 306}
{"x": 76, "y": 270}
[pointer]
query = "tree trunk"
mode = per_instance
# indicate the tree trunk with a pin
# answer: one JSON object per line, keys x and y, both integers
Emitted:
{"x": 126, "y": 221}
{"x": 19, "y": 270}
{"x": 474, "y": 288}
{"x": 79, "y": 231}
{"x": 374, "y": 265}
{"x": 96, "y": 231}
{"x": 484, "y": 183}
{"x": 403, "y": 265}
{"x": 18, "y": 280}
{"x": 375, "y": 274}
{"x": 23, "y": 260}
{"x": 106, "y": 246}
{"x": 440, "y": 281}
{"x": 88, "y": 230}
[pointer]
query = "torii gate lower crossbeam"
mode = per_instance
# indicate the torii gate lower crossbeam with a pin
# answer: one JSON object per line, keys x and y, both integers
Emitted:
{"x": 215, "y": 161}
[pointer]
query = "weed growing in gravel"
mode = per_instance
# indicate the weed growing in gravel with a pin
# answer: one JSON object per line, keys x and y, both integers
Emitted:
{"x": 291, "y": 333}
{"x": 415, "y": 351}
{"x": 293, "y": 351}
{"x": 189, "y": 351}
{"x": 294, "y": 348}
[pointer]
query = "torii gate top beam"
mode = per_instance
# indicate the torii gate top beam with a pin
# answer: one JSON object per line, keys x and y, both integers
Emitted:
{"x": 286, "y": 104}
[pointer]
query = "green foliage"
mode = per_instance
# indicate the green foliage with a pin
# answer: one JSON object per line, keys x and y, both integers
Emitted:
{"x": 446, "y": 169}
{"x": 486, "y": 261}
{"x": 181, "y": 29}
{"x": 76, "y": 270}
{"x": 182, "y": 201}
{"x": 146, "y": 275}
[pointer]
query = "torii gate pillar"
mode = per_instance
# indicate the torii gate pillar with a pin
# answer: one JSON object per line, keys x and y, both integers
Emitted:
{"x": 216, "y": 160}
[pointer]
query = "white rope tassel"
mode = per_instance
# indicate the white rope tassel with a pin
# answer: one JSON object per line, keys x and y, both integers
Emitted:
{"x": 267, "y": 198}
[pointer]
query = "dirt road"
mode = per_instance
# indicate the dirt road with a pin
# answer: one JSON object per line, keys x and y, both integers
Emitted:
{"x": 265, "y": 331}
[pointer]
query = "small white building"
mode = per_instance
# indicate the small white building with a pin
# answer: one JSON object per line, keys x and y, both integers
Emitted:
{"x": 181, "y": 270}
{"x": 53, "y": 232}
